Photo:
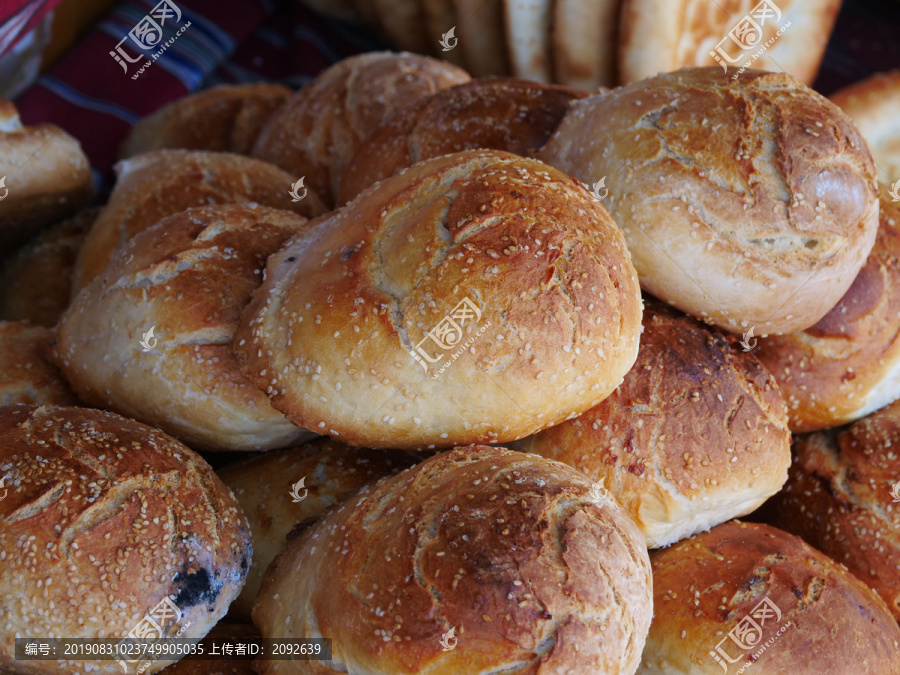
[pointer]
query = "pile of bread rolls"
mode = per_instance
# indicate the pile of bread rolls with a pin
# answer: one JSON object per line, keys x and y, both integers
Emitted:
{"x": 488, "y": 369}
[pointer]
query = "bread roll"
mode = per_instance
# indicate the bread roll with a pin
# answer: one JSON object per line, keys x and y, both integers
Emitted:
{"x": 316, "y": 133}
{"x": 848, "y": 364}
{"x": 841, "y": 497}
{"x": 695, "y": 435}
{"x": 26, "y": 375}
{"x": 226, "y": 118}
{"x": 517, "y": 274}
{"x": 158, "y": 184}
{"x": 872, "y": 104}
{"x": 44, "y": 177}
{"x": 747, "y": 597}
{"x": 748, "y": 203}
{"x": 264, "y": 487}
{"x": 36, "y": 282}
{"x": 220, "y": 633}
{"x": 187, "y": 279}
{"x": 496, "y": 114}
{"x": 584, "y": 39}
{"x": 533, "y": 568}
{"x": 786, "y": 36}
{"x": 104, "y": 519}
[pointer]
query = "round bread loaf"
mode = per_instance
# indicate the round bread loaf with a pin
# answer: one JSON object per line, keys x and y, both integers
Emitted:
{"x": 36, "y": 282}
{"x": 26, "y": 375}
{"x": 158, "y": 184}
{"x": 44, "y": 177}
{"x": 226, "y": 118}
{"x": 222, "y": 633}
{"x": 317, "y": 132}
{"x": 786, "y": 36}
{"x": 848, "y": 364}
{"x": 872, "y": 104}
{"x": 497, "y": 114}
{"x": 748, "y": 203}
{"x": 321, "y": 474}
{"x": 151, "y": 338}
{"x": 475, "y": 297}
{"x": 695, "y": 435}
{"x": 747, "y": 597}
{"x": 842, "y": 497}
{"x": 109, "y": 527}
{"x": 477, "y": 560}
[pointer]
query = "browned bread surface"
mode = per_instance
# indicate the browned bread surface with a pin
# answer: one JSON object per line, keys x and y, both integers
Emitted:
{"x": 26, "y": 374}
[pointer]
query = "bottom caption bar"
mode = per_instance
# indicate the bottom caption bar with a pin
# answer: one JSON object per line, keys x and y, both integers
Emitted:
{"x": 133, "y": 650}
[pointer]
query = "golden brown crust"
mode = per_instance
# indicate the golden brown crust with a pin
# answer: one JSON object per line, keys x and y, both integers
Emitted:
{"x": 188, "y": 277}
{"x": 747, "y": 203}
{"x": 535, "y": 567}
{"x": 703, "y": 587}
{"x": 331, "y": 334}
{"x": 497, "y": 114}
{"x": 316, "y": 133}
{"x": 848, "y": 364}
{"x": 695, "y": 435}
{"x": 227, "y": 118}
{"x": 158, "y": 184}
{"x": 26, "y": 375}
{"x": 105, "y": 517}
{"x": 263, "y": 485}
{"x": 36, "y": 282}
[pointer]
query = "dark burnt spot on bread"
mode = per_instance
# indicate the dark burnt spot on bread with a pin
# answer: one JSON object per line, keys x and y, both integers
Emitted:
{"x": 195, "y": 587}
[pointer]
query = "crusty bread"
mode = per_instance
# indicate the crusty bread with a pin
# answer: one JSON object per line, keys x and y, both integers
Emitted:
{"x": 226, "y": 118}
{"x": 584, "y": 38}
{"x": 747, "y": 203}
{"x": 497, "y": 114}
{"x": 872, "y": 104}
{"x": 26, "y": 374}
{"x": 695, "y": 435}
{"x": 848, "y": 364}
{"x": 316, "y": 133}
{"x": 103, "y": 519}
{"x": 534, "y": 568}
{"x": 482, "y": 37}
{"x": 525, "y": 270}
{"x": 158, "y": 184}
{"x": 528, "y": 38}
{"x": 44, "y": 177}
{"x": 223, "y": 632}
{"x": 761, "y": 600}
{"x": 841, "y": 497}
{"x": 263, "y": 486}
{"x": 664, "y": 35}
{"x": 36, "y": 282}
{"x": 188, "y": 278}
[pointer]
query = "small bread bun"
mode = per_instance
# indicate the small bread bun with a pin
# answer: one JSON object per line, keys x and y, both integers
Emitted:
{"x": 872, "y": 104}
{"x": 508, "y": 559}
{"x": 495, "y": 260}
{"x": 26, "y": 375}
{"x": 158, "y": 184}
{"x": 186, "y": 279}
{"x": 848, "y": 364}
{"x": 496, "y": 114}
{"x": 787, "y": 36}
{"x": 36, "y": 282}
{"x": 841, "y": 497}
{"x": 695, "y": 435}
{"x": 265, "y": 487}
{"x": 104, "y": 519}
{"x": 222, "y": 632}
{"x": 749, "y": 203}
{"x": 749, "y": 597}
{"x": 317, "y": 132}
{"x": 226, "y": 118}
{"x": 44, "y": 177}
